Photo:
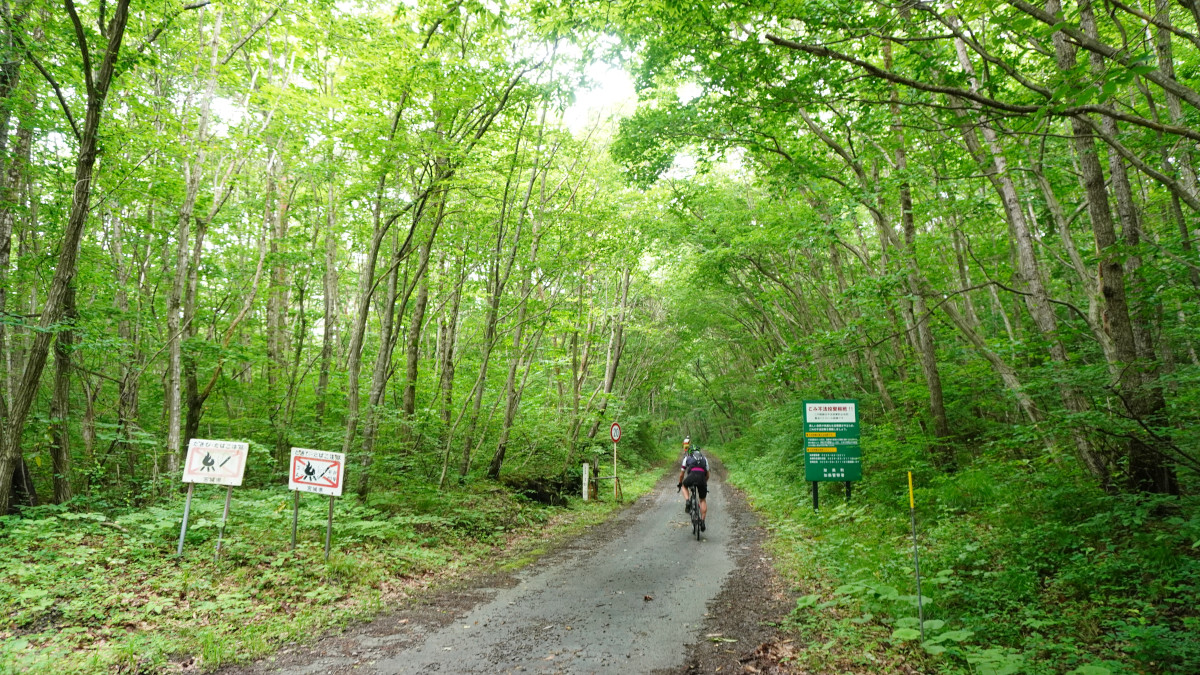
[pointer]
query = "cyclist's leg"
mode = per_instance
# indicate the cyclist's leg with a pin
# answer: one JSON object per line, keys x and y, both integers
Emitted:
{"x": 686, "y": 495}
{"x": 703, "y": 493}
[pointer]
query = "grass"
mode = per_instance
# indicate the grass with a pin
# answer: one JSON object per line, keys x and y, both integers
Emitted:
{"x": 86, "y": 592}
{"x": 1025, "y": 569}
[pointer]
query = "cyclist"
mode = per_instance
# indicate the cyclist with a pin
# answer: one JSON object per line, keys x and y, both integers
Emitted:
{"x": 693, "y": 475}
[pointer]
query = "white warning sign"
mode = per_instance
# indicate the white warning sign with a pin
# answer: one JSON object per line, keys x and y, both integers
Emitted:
{"x": 215, "y": 462}
{"x": 317, "y": 471}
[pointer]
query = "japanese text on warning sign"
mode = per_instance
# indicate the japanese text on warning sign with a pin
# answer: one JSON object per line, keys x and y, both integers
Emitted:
{"x": 215, "y": 462}
{"x": 317, "y": 471}
{"x": 831, "y": 434}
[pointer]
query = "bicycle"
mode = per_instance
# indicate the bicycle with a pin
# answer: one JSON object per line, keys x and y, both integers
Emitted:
{"x": 694, "y": 508}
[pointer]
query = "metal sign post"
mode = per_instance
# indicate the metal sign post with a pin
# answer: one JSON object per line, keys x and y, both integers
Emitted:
{"x": 586, "y": 467}
{"x": 321, "y": 473}
{"x": 329, "y": 528}
{"x": 295, "y": 515}
{"x": 213, "y": 463}
{"x": 224, "y": 519}
{"x": 614, "y": 432}
{"x": 912, "y": 516}
{"x": 187, "y": 508}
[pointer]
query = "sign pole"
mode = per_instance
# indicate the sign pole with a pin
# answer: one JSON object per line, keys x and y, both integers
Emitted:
{"x": 816, "y": 503}
{"x": 224, "y": 519}
{"x": 586, "y": 466}
{"x": 295, "y": 515}
{"x": 614, "y": 432}
{"x": 848, "y": 485}
{"x": 615, "y": 496}
{"x": 912, "y": 515}
{"x": 329, "y": 528}
{"x": 187, "y": 507}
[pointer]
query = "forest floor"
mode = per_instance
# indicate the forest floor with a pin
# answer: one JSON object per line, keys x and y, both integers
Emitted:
{"x": 633, "y": 594}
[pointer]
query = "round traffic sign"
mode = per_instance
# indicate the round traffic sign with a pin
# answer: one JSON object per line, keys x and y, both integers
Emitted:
{"x": 615, "y": 432}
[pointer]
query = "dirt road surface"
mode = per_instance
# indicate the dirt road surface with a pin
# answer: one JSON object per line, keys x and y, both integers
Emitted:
{"x": 637, "y": 594}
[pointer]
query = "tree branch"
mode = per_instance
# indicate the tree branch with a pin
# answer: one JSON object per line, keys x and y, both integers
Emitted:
{"x": 251, "y": 34}
{"x": 146, "y": 42}
{"x": 83, "y": 47}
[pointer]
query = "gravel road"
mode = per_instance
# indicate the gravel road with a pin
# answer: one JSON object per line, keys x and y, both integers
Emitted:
{"x": 629, "y": 595}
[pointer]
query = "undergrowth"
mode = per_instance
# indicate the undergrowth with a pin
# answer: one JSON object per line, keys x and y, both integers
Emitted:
{"x": 85, "y": 590}
{"x": 1026, "y": 566}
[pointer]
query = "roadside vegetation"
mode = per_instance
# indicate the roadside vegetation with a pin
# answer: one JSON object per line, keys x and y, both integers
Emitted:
{"x": 1025, "y": 568}
{"x": 97, "y": 589}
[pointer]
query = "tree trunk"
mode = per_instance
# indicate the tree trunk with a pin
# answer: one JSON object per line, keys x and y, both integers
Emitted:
{"x": 616, "y": 346}
{"x": 917, "y": 313}
{"x": 194, "y": 171}
{"x": 449, "y": 330}
{"x": 512, "y": 395}
{"x": 60, "y": 402}
{"x": 413, "y": 356}
{"x": 498, "y": 280}
{"x": 330, "y": 315}
{"x": 1147, "y": 470}
{"x": 387, "y": 313}
{"x": 1038, "y": 299}
{"x": 65, "y": 267}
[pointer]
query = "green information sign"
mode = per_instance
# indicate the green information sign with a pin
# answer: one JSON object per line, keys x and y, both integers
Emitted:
{"x": 831, "y": 450}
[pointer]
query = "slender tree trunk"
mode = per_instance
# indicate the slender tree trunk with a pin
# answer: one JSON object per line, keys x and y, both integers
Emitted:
{"x": 66, "y": 265}
{"x": 916, "y": 308}
{"x": 1038, "y": 300}
{"x": 616, "y": 346}
{"x": 512, "y": 395}
{"x": 193, "y": 172}
{"x": 498, "y": 280}
{"x": 1147, "y": 471}
{"x": 10, "y": 198}
{"x": 330, "y": 315}
{"x": 387, "y": 313}
{"x": 449, "y": 329}
{"x": 131, "y": 357}
{"x": 193, "y": 405}
{"x": 1185, "y": 158}
{"x": 60, "y": 403}
{"x": 413, "y": 356}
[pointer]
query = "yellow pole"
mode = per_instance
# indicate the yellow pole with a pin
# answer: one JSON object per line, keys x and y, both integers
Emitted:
{"x": 912, "y": 515}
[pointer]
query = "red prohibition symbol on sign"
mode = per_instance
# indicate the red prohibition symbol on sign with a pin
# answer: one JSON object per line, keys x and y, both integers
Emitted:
{"x": 319, "y": 472}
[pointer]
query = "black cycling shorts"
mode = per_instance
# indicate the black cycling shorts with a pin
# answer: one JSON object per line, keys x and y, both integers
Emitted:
{"x": 698, "y": 480}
